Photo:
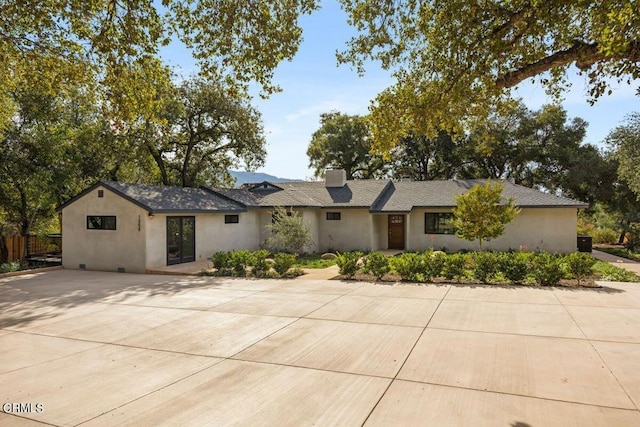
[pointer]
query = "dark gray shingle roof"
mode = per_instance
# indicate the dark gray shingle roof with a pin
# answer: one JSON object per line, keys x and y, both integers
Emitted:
{"x": 159, "y": 199}
{"x": 376, "y": 195}
{"x": 361, "y": 194}
{"x": 404, "y": 196}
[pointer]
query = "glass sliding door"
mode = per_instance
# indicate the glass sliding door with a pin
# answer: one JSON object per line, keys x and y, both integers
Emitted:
{"x": 181, "y": 239}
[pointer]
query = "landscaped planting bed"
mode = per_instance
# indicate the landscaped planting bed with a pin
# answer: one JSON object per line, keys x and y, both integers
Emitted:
{"x": 503, "y": 268}
{"x": 260, "y": 263}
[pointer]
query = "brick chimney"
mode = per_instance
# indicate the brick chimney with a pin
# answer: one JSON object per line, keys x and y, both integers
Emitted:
{"x": 335, "y": 178}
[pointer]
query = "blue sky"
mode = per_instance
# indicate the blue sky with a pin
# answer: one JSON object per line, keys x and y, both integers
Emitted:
{"x": 312, "y": 84}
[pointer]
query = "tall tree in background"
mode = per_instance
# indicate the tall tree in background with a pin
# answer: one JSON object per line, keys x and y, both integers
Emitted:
{"x": 625, "y": 141}
{"x": 52, "y": 148}
{"x": 48, "y": 43}
{"x": 203, "y": 134}
{"x": 421, "y": 158}
{"x": 455, "y": 60}
{"x": 342, "y": 141}
{"x": 502, "y": 147}
{"x": 534, "y": 148}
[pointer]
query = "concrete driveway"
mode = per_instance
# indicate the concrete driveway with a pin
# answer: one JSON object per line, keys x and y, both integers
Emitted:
{"x": 90, "y": 348}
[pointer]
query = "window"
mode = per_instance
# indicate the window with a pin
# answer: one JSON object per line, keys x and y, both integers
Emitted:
{"x": 438, "y": 223}
{"x": 100, "y": 193}
{"x": 231, "y": 219}
{"x": 333, "y": 216}
{"x": 102, "y": 222}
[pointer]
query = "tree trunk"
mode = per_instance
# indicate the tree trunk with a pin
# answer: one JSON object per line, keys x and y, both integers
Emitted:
{"x": 157, "y": 157}
{"x": 4, "y": 250}
{"x": 625, "y": 227}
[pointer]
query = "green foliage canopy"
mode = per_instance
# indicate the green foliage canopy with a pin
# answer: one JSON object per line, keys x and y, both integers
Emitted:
{"x": 481, "y": 214}
{"x": 50, "y": 43}
{"x": 454, "y": 59}
{"x": 343, "y": 142}
{"x": 201, "y": 135}
{"x": 625, "y": 140}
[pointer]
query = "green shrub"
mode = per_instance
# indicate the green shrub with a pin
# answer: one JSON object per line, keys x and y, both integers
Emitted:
{"x": 605, "y": 236}
{"x": 239, "y": 261}
{"x": 348, "y": 263}
{"x": 377, "y": 264}
{"x": 282, "y": 262}
{"x": 258, "y": 263}
{"x": 10, "y": 267}
{"x": 610, "y": 272}
{"x": 408, "y": 265}
{"x": 580, "y": 265}
{"x": 454, "y": 266}
{"x": 632, "y": 238}
{"x": 288, "y": 231}
{"x": 547, "y": 269}
{"x": 220, "y": 260}
{"x": 485, "y": 266}
{"x": 433, "y": 263}
{"x": 514, "y": 266}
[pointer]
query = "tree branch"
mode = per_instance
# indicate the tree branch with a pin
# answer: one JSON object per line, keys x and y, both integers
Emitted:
{"x": 585, "y": 56}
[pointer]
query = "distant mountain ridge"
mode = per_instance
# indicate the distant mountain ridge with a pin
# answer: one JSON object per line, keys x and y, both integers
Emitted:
{"x": 245, "y": 177}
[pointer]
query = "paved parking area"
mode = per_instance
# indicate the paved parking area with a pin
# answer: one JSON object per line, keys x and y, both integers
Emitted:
{"x": 91, "y": 348}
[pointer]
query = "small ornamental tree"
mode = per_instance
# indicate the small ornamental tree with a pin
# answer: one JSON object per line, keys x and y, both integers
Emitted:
{"x": 288, "y": 231}
{"x": 481, "y": 214}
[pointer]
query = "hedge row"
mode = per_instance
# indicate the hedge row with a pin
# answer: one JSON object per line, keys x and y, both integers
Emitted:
{"x": 487, "y": 267}
{"x": 244, "y": 263}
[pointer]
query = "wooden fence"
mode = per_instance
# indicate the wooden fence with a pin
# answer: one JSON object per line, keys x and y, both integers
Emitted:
{"x": 34, "y": 248}
{"x": 16, "y": 246}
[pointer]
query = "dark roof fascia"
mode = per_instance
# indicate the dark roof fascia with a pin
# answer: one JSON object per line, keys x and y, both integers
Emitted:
{"x": 346, "y": 207}
{"x": 197, "y": 211}
{"x": 577, "y": 206}
{"x": 287, "y": 207}
{"x": 224, "y": 196}
{"x": 108, "y": 187}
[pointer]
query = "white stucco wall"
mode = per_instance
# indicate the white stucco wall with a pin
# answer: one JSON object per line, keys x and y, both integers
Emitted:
{"x": 104, "y": 249}
{"x": 212, "y": 235}
{"x": 549, "y": 229}
{"x": 380, "y": 231}
{"x": 311, "y": 218}
{"x": 353, "y": 231}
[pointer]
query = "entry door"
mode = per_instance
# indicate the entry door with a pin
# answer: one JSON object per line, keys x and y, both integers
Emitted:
{"x": 181, "y": 239}
{"x": 396, "y": 231}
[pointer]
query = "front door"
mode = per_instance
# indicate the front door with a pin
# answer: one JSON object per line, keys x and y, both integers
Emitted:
{"x": 181, "y": 239}
{"x": 396, "y": 231}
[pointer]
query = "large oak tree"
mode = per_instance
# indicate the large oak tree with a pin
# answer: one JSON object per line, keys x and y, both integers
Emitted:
{"x": 343, "y": 141}
{"x": 456, "y": 59}
{"x": 50, "y": 43}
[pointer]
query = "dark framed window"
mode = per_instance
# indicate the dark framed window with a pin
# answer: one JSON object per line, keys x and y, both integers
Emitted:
{"x": 231, "y": 219}
{"x": 101, "y": 222}
{"x": 438, "y": 223}
{"x": 333, "y": 216}
{"x": 100, "y": 193}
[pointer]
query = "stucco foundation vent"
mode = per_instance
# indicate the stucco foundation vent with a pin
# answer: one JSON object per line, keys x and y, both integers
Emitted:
{"x": 120, "y": 269}
{"x": 82, "y": 266}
